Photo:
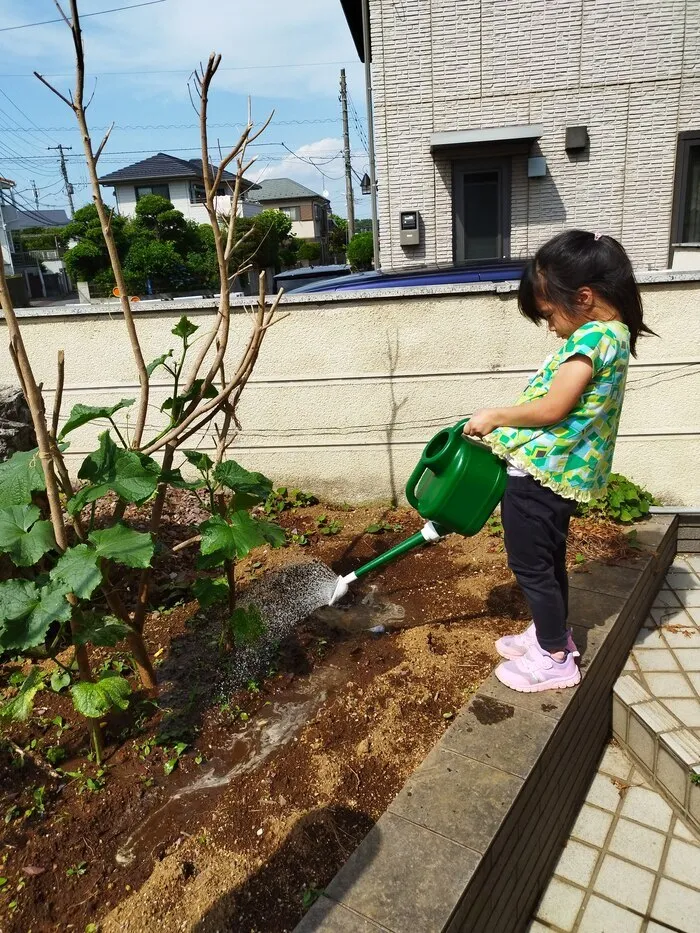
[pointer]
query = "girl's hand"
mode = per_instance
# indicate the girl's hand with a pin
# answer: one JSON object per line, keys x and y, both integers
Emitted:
{"x": 482, "y": 422}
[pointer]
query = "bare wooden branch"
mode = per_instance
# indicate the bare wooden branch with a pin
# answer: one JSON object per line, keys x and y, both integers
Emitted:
{"x": 60, "y": 10}
{"x": 58, "y": 397}
{"x": 99, "y": 153}
{"x": 55, "y": 90}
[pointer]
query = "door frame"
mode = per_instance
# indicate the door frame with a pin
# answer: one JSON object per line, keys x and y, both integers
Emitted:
{"x": 462, "y": 167}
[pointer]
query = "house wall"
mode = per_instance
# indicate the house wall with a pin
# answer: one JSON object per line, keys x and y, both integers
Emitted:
{"x": 304, "y": 229}
{"x": 348, "y": 390}
{"x": 180, "y": 197}
{"x": 628, "y": 71}
{"x": 5, "y": 245}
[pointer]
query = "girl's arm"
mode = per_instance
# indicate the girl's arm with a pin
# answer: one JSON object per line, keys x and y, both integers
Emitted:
{"x": 566, "y": 389}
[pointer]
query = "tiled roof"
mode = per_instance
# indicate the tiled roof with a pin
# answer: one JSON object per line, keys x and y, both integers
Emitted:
{"x": 281, "y": 189}
{"x": 17, "y": 219}
{"x": 161, "y": 165}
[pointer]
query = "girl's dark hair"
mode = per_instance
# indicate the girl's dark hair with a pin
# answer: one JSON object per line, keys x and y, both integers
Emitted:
{"x": 575, "y": 259}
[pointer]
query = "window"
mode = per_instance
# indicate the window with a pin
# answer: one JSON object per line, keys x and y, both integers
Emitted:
{"x": 686, "y": 196}
{"x": 143, "y": 190}
{"x": 294, "y": 213}
{"x": 198, "y": 194}
{"x": 482, "y": 210}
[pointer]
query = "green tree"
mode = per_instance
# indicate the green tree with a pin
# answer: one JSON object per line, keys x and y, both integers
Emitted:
{"x": 338, "y": 237}
{"x": 269, "y": 236}
{"x": 309, "y": 250}
{"x": 89, "y": 256}
{"x": 361, "y": 251}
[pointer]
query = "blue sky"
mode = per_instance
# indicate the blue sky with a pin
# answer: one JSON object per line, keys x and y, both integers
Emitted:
{"x": 286, "y": 55}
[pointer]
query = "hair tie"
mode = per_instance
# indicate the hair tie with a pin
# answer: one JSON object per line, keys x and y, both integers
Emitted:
{"x": 597, "y": 235}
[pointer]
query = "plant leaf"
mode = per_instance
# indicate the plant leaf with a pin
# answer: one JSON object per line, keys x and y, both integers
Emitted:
{"x": 184, "y": 328}
{"x": 59, "y": 680}
{"x": 132, "y": 475}
{"x": 26, "y": 612}
{"x": 24, "y": 538}
{"x": 82, "y": 414}
{"x": 246, "y": 625}
{"x": 271, "y": 532}
{"x": 78, "y": 569}
{"x": 95, "y": 699}
{"x": 20, "y": 476}
{"x": 217, "y": 538}
{"x": 254, "y": 486}
{"x": 121, "y": 544}
{"x": 199, "y": 460}
{"x": 102, "y": 631}
{"x": 159, "y": 361}
{"x": 208, "y": 591}
{"x": 20, "y": 707}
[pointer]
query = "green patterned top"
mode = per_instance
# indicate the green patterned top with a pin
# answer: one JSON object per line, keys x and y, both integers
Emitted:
{"x": 574, "y": 457}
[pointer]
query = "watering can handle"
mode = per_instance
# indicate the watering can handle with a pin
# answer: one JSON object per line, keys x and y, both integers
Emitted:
{"x": 420, "y": 468}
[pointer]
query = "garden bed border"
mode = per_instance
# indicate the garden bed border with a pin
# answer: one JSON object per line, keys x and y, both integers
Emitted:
{"x": 470, "y": 842}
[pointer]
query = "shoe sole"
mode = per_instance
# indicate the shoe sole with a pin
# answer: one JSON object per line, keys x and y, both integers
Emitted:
{"x": 545, "y": 685}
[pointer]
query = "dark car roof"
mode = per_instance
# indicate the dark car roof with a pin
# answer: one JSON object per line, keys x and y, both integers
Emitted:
{"x": 444, "y": 275}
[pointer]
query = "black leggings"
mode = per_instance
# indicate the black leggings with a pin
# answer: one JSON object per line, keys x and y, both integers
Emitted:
{"x": 536, "y": 524}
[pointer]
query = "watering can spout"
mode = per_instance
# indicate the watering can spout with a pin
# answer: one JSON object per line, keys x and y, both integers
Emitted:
{"x": 429, "y": 532}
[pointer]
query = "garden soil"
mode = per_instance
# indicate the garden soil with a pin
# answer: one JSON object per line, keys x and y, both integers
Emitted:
{"x": 342, "y": 718}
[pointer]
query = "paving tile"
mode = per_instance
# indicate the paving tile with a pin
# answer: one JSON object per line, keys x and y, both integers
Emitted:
{"x": 688, "y": 658}
{"x": 560, "y": 904}
{"x": 683, "y": 864}
{"x": 655, "y": 659}
{"x": 655, "y": 716}
{"x": 666, "y": 598}
{"x": 677, "y": 906}
{"x": 552, "y": 703}
{"x": 649, "y": 637}
{"x": 462, "y": 799}
{"x": 683, "y": 634}
{"x": 606, "y": 580}
{"x": 600, "y": 916}
{"x": 603, "y": 793}
{"x": 537, "y": 927}
{"x": 577, "y": 862}
{"x": 620, "y": 717}
{"x": 638, "y": 844}
{"x": 627, "y": 884}
{"x": 694, "y": 678}
{"x": 687, "y": 711}
{"x": 685, "y": 745}
{"x": 694, "y": 613}
{"x": 328, "y": 917}
{"x": 679, "y": 563}
{"x": 499, "y": 735}
{"x": 689, "y": 598}
{"x": 682, "y": 831}
{"x": 646, "y": 806}
{"x": 630, "y": 691}
{"x": 642, "y": 740}
{"x": 682, "y": 580}
{"x": 671, "y": 776}
{"x": 592, "y": 825}
{"x": 694, "y": 561}
{"x": 694, "y": 804}
{"x": 615, "y": 762}
{"x": 396, "y": 856}
{"x": 663, "y": 684}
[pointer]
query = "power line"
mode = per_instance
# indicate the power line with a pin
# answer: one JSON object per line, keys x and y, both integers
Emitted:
{"x": 171, "y": 126}
{"x": 116, "y": 9}
{"x": 26, "y": 117}
{"x": 162, "y": 71}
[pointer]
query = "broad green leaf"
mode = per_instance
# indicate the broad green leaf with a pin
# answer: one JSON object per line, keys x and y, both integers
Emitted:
{"x": 250, "y": 488}
{"x": 249, "y": 533}
{"x": 103, "y": 631}
{"x": 23, "y": 537}
{"x": 136, "y": 476}
{"x": 79, "y": 570}
{"x": 199, "y": 460}
{"x": 177, "y": 404}
{"x": 26, "y": 612}
{"x": 184, "y": 328}
{"x": 59, "y": 680}
{"x": 100, "y": 464}
{"x": 271, "y": 532}
{"x": 83, "y": 414}
{"x": 132, "y": 475}
{"x": 95, "y": 699}
{"x": 85, "y": 496}
{"x": 175, "y": 479}
{"x": 20, "y": 476}
{"x": 217, "y": 538}
{"x": 121, "y": 544}
{"x": 247, "y": 625}
{"x": 20, "y": 707}
{"x": 159, "y": 361}
{"x": 208, "y": 591}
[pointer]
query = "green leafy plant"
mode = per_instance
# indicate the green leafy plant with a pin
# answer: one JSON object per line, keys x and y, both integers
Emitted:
{"x": 77, "y": 870}
{"x": 378, "y": 528}
{"x": 360, "y": 252}
{"x": 283, "y": 498}
{"x": 172, "y": 762}
{"x": 623, "y": 501}
{"x": 328, "y": 526}
{"x": 228, "y": 492}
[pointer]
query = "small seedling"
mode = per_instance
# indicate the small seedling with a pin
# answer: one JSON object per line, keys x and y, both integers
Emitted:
{"x": 177, "y": 752}
{"x": 494, "y": 526}
{"x": 253, "y": 687}
{"x": 77, "y": 871}
{"x": 55, "y": 755}
{"x": 580, "y": 559}
{"x": 310, "y": 895}
{"x": 301, "y": 538}
{"x": 328, "y": 526}
{"x": 694, "y": 778}
{"x": 379, "y": 528}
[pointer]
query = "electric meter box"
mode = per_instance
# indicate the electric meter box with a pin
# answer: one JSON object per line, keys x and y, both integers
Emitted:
{"x": 409, "y": 228}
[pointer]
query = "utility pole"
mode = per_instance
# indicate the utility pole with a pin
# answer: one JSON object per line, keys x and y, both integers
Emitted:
{"x": 36, "y": 194}
{"x": 348, "y": 163}
{"x": 64, "y": 172}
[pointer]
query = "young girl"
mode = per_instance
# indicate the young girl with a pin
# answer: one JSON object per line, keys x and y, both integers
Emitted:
{"x": 559, "y": 438}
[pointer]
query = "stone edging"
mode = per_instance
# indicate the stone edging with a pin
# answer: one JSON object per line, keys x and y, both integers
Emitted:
{"x": 470, "y": 842}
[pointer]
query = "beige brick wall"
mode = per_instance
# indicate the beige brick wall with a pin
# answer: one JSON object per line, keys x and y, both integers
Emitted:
{"x": 627, "y": 69}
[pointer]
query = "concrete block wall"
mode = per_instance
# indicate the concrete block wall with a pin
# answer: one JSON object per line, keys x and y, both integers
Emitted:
{"x": 629, "y": 71}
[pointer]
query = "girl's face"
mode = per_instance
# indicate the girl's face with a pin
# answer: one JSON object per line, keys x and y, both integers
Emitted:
{"x": 557, "y": 321}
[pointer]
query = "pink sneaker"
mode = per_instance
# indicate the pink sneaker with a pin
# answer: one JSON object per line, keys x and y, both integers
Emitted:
{"x": 515, "y": 646}
{"x": 537, "y": 670}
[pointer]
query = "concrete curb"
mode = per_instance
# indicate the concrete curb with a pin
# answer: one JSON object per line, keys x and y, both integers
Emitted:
{"x": 470, "y": 842}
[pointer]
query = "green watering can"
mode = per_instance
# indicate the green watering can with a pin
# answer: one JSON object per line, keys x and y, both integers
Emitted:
{"x": 456, "y": 485}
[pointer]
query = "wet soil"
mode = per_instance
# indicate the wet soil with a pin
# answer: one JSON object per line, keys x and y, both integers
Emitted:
{"x": 223, "y": 809}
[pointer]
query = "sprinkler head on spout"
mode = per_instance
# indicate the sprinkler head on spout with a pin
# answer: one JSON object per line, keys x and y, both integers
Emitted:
{"x": 341, "y": 588}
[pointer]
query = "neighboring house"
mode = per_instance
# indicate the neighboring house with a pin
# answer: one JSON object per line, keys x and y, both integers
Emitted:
{"x": 180, "y": 181}
{"x": 309, "y": 211}
{"x": 43, "y": 270}
{"x": 502, "y": 123}
{"x": 5, "y": 241}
